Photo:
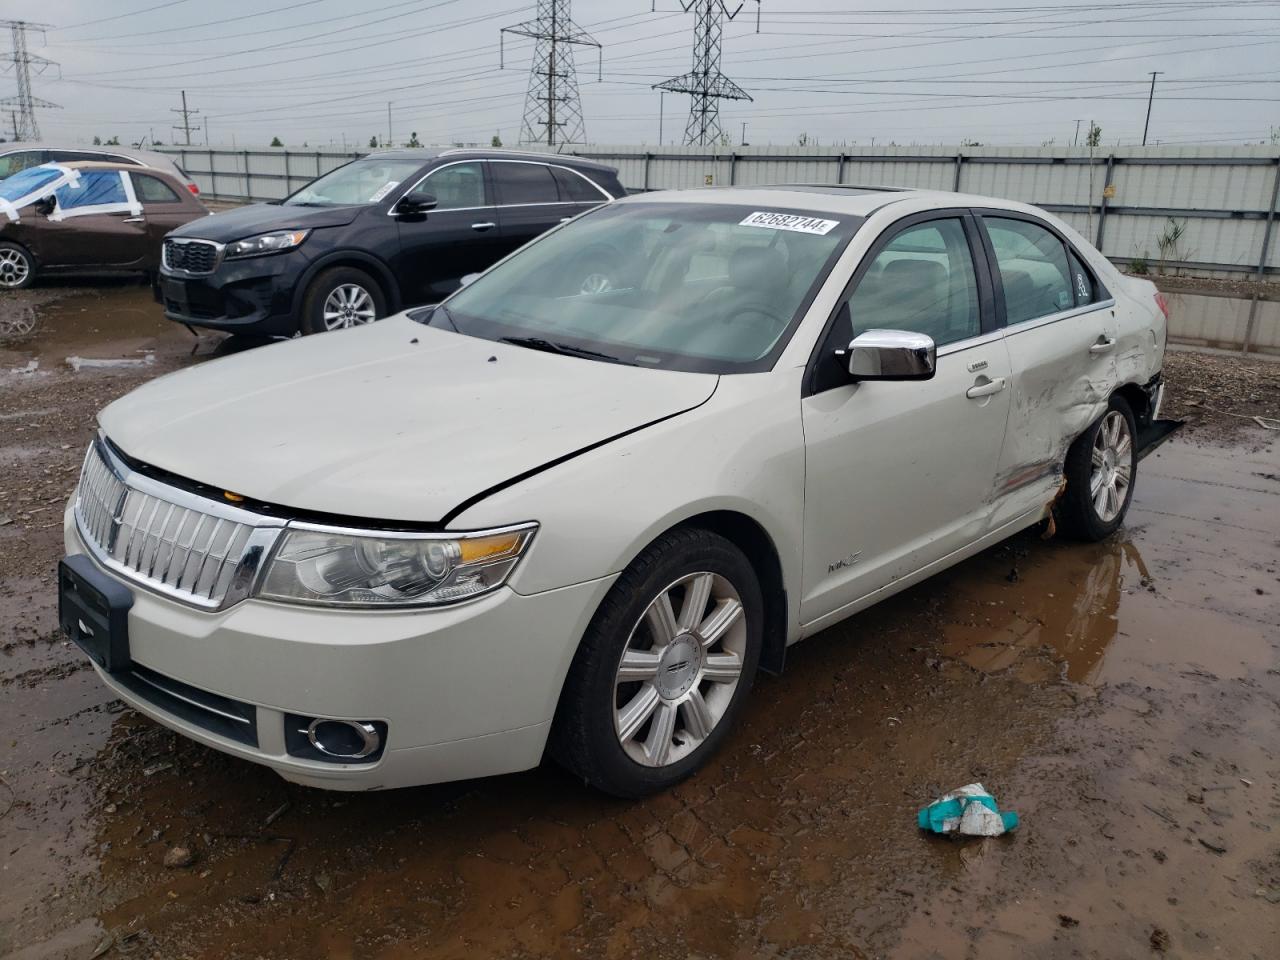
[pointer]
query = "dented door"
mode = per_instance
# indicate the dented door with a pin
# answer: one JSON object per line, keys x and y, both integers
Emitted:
{"x": 1062, "y": 349}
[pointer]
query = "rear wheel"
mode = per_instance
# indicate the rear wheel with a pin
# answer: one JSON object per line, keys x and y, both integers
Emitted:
{"x": 17, "y": 268}
{"x": 341, "y": 297}
{"x": 664, "y": 668}
{"x": 1100, "y": 470}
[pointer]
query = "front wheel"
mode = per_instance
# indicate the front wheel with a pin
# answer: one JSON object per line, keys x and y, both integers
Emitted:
{"x": 17, "y": 268}
{"x": 664, "y": 668}
{"x": 1100, "y": 470}
{"x": 341, "y": 297}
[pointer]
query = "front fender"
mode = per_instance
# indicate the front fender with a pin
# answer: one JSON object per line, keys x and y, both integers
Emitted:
{"x": 358, "y": 258}
{"x": 741, "y": 452}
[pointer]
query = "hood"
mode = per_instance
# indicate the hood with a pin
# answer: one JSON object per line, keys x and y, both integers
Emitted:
{"x": 393, "y": 422}
{"x": 258, "y": 218}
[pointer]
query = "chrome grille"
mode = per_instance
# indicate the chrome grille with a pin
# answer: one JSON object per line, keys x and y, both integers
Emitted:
{"x": 191, "y": 256}
{"x": 173, "y": 541}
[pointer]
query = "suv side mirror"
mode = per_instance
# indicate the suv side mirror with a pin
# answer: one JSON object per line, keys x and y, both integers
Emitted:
{"x": 416, "y": 203}
{"x": 890, "y": 355}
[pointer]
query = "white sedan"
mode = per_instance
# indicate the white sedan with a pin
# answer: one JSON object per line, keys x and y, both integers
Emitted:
{"x": 575, "y": 507}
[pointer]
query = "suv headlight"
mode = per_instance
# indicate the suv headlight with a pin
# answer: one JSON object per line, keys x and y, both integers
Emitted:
{"x": 314, "y": 564}
{"x": 265, "y": 243}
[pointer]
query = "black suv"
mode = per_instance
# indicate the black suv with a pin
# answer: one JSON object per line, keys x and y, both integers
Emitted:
{"x": 379, "y": 234}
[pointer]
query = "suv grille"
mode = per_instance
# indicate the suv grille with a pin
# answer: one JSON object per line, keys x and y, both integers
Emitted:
{"x": 191, "y": 256}
{"x": 185, "y": 546}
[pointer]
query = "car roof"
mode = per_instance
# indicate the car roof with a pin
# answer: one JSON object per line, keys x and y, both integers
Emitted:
{"x": 848, "y": 199}
{"x": 106, "y": 165}
{"x": 117, "y": 149}
{"x": 426, "y": 154}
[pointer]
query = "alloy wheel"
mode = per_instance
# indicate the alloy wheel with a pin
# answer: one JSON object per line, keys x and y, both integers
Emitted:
{"x": 679, "y": 670}
{"x": 1112, "y": 469}
{"x": 14, "y": 268}
{"x": 348, "y": 305}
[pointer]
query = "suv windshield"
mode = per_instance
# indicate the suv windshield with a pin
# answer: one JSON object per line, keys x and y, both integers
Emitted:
{"x": 363, "y": 181}
{"x": 684, "y": 286}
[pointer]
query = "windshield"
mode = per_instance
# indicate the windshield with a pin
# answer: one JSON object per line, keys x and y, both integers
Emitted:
{"x": 364, "y": 181}
{"x": 27, "y": 181}
{"x": 680, "y": 286}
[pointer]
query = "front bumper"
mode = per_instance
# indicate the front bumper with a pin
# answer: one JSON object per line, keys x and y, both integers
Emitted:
{"x": 251, "y": 296}
{"x": 465, "y": 691}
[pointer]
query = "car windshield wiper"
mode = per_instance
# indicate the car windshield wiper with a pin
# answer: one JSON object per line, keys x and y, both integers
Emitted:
{"x": 568, "y": 350}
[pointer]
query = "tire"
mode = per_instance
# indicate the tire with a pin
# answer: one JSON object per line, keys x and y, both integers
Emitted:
{"x": 341, "y": 297}
{"x": 17, "y": 267}
{"x": 1100, "y": 470}
{"x": 693, "y": 690}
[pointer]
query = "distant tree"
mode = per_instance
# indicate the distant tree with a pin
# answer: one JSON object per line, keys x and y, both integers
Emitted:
{"x": 373, "y": 143}
{"x": 970, "y": 142}
{"x": 1095, "y": 135}
{"x": 1275, "y": 135}
{"x": 413, "y": 140}
{"x": 113, "y": 142}
{"x": 97, "y": 141}
{"x": 802, "y": 140}
{"x": 277, "y": 142}
{"x": 495, "y": 141}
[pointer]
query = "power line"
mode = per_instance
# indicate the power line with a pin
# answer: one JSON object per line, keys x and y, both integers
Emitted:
{"x": 25, "y": 126}
{"x": 552, "y": 107}
{"x": 705, "y": 84}
{"x": 121, "y": 16}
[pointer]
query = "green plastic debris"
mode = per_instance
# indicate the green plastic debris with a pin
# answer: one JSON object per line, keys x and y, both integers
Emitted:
{"x": 969, "y": 811}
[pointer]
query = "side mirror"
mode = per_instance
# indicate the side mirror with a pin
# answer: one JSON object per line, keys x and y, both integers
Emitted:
{"x": 467, "y": 279}
{"x": 45, "y": 205}
{"x": 890, "y": 355}
{"x": 416, "y": 204}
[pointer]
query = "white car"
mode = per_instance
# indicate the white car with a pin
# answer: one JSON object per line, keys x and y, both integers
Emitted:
{"x": 575, "y": 507}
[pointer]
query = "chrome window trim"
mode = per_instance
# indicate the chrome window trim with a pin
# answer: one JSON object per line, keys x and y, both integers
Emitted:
{"x": 220, "y": 250}
{"x": 959, "y": 346}
{"x": 251, "y": 565}
{"x": 1024, "y": 325}
{"x": 607, "y": 196}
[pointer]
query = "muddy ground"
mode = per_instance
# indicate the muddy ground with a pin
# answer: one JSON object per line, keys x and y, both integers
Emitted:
{"x": 1123, "y": 697}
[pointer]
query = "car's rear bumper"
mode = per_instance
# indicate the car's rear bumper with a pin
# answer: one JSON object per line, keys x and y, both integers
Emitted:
{"x": 464, "y": 691}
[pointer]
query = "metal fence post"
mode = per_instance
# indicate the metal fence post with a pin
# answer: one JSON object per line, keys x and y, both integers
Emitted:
{"x": 1102, "y": 210}
{"x": 213, "y": 176}
{"x": 840, "y": 169}
{"x": 955, "y": 185}
{"x": 1262, "y": 259}
{"x": 647, "y": 157}
{"x": 288, "y": 182}
{"x": 733, "y": 169}
{"x": 248, "y": 189}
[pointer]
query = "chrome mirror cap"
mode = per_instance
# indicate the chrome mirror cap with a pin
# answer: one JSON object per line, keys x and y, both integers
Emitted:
{"x": 891, "y": 355}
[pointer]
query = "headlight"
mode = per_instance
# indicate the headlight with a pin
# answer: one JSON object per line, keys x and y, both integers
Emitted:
{"x": 371, "y": 569}
{"x": 266, "y": 243}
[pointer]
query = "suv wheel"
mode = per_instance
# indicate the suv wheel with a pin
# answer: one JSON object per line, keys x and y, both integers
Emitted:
{"x": 341, "y": 297}
{"x": 17, "y": 269}
{"x": 1100, "y": 470}
{"x": 664, "y": 668}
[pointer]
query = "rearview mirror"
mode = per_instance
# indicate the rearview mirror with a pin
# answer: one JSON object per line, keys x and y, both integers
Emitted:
{"x": 890, "y": 355}
{"x": 416, "y": 203}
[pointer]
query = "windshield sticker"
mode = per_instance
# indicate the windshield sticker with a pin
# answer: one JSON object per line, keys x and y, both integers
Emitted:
{"x": 383, "y": 190}
{"x": 790, "y": 221}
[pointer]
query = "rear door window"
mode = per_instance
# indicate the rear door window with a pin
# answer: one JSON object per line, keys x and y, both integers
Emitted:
{"x": 575, "y": 188}
{"x": 94, "y": 188}
{"x": 521, "y": 183}
{"x": 1085, "y": 290}
{"x": 153, "y": 190}
{"x": 1032, "y": 263}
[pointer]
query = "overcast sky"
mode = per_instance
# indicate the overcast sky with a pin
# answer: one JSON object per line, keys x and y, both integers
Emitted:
{"x": 994, "y": 71}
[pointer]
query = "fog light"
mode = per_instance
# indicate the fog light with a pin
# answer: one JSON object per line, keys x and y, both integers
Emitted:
{"x": 344, "y": 739}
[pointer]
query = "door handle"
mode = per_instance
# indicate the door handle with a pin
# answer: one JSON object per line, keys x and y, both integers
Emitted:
{"x": 134, "y": 220}
{"x": 979, "y": 390}
{"x": 1103, "y": 345}
{"x": 482, "y": 227}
